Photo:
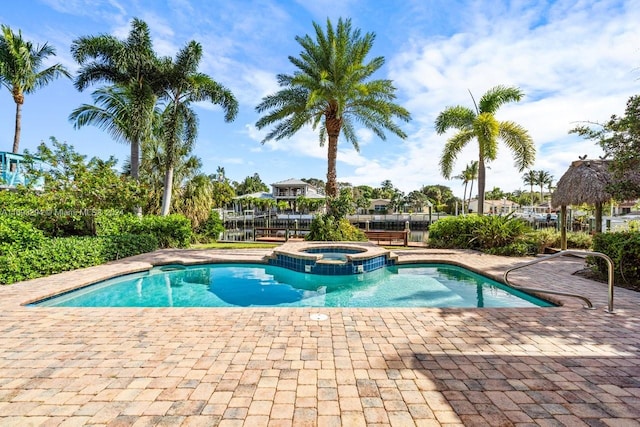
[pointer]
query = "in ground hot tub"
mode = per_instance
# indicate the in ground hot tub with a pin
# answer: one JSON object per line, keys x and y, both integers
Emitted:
{"x": 331, "y": 258}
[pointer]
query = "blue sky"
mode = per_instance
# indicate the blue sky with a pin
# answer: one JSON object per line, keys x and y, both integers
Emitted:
{"x": 575, "y": 60}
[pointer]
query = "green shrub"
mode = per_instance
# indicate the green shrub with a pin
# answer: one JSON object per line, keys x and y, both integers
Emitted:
{"x": 59, "y": 254}
{"x": 126, "y": 245}
{"x": 18, "y": 235}
{"x": 543, "y": 239}
{"x": 497, "y": 231}
{"x": 454, "y": 232}
{"x": 327, "y": 228}
{"x": 110, "y": 222}
{"x": 209, "y": 231}
{"x": 624, "y": 249}
{"x": 551, "y": 238}
{"x": 579, "y": 240}
{"x": 171, "y": 231}
{"x": 491, "y": 233}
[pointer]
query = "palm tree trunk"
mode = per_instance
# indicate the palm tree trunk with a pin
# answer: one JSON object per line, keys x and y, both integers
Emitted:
{"x": 332, "y": 155}
{"x": 16, "y": 135}
{"x": 166, "y": 195}
{"x": 481, "y": 185}
{"x": 531, "y": 189}
{"x": 470, "y": 193}
{"x": 464, "y": 197}
{"x": 135, "y": 159}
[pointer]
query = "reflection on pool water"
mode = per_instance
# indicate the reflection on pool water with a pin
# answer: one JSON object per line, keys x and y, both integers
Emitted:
{"x": 257, "y": 285}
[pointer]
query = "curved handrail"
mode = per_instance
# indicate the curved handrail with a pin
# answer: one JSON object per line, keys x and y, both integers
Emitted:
{"x": 563, "y": 253}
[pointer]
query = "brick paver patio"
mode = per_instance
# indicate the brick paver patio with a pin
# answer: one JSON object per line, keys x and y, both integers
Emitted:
{"x": 278, "y": 367}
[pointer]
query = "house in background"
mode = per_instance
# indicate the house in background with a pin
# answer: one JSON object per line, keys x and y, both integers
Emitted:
{"x": 379, "y": 206}
{"x": 14, "y": 173}
{"x": 494, "y": 206}
{"x": 290, "y": 189}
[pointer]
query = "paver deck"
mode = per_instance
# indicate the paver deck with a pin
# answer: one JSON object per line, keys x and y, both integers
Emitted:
{"x": 278, "y": 367}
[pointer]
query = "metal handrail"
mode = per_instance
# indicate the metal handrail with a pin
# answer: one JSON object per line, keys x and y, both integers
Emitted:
{"x": 563, "y": 253}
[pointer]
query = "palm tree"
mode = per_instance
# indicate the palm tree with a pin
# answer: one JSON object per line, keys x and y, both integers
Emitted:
{"x": 542, "y": 178}
{"x": 195, "y": 190}
{"x": 331, "y": 88}
{"x": 468, "y": 175}
{"x": 21, "y": 73}
{"x": 530, "y": 178}
{"x": 132, "y": 64}
{"x": 183, "y": 86}
{"x": 482, "y": 126}
{"x": 113, "y": 111}
{"x": 473, "y": 175}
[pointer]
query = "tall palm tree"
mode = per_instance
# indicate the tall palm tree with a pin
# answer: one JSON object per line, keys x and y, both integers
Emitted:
{"x": 195, "y": 197}
{"x": 332, "y": 88}
{"x": 542, "y": 178}
{"x": 481, "y": 124}
{"x": 468, "y": 175}
{"x": 131, "y": 63}
{"x": 21, "y": 73}
{"x": 183, "y": 86}
{"x": 472, "y": 175}
{"x": 464, "y": 195}
{"x": 530, "y": 178}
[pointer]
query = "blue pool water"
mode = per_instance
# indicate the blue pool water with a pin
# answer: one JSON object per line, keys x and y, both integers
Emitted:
{"x": 257, "y": 285}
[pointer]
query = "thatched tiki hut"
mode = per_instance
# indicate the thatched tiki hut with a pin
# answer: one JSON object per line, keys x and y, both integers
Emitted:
{"x": 584, "y": 182}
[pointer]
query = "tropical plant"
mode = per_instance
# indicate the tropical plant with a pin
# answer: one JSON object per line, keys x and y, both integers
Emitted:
{"x": 133, "y": 65}
{"x": 114, "y": 111}
{"x": 21, "y": 71}
{"x": 543, "y": 178}
{"x": 183, "y": 86}
{"x": 620, "y": 139}
{"x": 251, "y": 184}
{"x": 496, "y": 193}
{"x": 530, "y": 179}
{"x": 223, "y": 193}
{"x": 468, "y": 175}
{"x": 332, "y": 88}
{"x": 497, "y": 234}
{"x": 211, "y": 229}
{"x": 481, "y": 124}
{"x": 77, "y": 188}
{"x": 417, "y": 200}
{"x": 282, "y": 205}
{"x": 196, "y": 192}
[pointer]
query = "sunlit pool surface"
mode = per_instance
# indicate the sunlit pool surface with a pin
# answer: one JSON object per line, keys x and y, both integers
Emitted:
{"x": 258, "y": 285}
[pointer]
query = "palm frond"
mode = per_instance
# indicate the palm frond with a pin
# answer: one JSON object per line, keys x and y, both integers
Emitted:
{"x": 452, "y": 148}
{"x": 497, "y": 96}
{"x": 520, "y": 143}
{"x": 455, "y": 117}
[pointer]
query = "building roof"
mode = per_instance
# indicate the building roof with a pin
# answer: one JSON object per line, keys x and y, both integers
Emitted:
{"x": 259, "y": 195}
{"x": 291, "y": 181}
{"x": 584, "y": 182}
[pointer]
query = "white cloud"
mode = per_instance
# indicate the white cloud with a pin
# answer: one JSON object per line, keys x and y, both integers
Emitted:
{"x": 575, "y": 64}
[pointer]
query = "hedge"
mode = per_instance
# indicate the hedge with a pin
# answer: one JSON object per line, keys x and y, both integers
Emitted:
{"x": 58, "y": 254}
{"x": 624, "y": 250}
{"x": 171, "y": 231}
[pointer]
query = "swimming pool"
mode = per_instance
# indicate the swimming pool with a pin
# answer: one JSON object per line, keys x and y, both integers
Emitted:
{"x": 259, "y": 285}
